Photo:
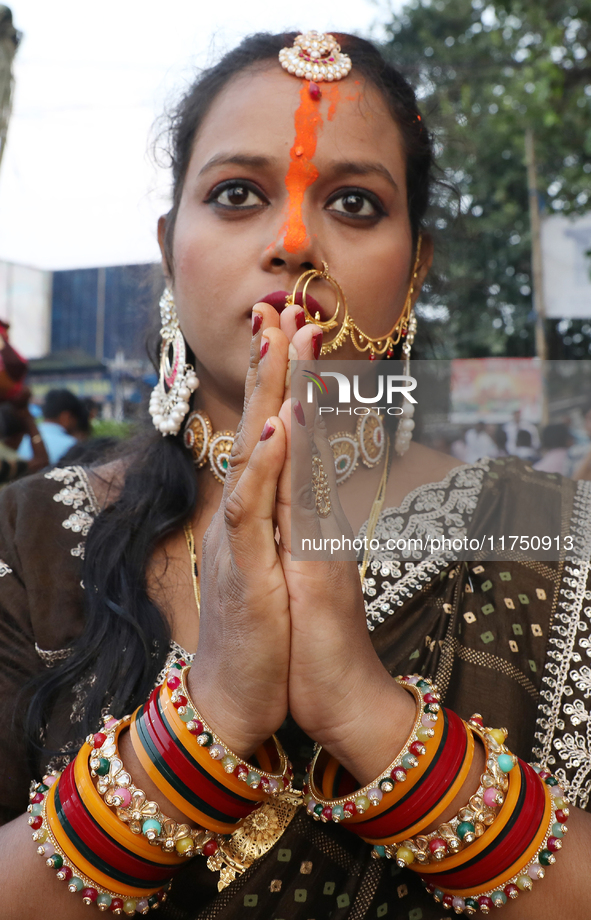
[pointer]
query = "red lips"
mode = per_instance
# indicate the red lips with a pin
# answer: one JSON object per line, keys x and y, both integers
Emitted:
{"x": 277, "y": 300}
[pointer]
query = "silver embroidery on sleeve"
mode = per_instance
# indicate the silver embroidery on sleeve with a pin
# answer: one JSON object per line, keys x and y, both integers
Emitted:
{"x": 429, "y": 511}
{"x": 50, "y": 657}
{"x": 564, "y": 718}
{"x": 77, "y": 494}
{"x": 4, "y": 569}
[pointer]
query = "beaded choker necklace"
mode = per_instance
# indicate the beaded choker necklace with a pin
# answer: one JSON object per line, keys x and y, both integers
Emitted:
{"x": 367, "y": 444}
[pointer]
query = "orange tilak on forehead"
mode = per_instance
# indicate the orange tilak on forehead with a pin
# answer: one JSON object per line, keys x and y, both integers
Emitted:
{"x": 302, "y": 173}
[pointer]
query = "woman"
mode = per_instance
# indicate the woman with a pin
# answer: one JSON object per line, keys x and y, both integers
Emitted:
{"x": 273, "y": 175}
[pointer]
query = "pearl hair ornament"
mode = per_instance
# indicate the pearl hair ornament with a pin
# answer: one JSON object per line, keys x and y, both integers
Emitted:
{"x": 169, "y": 402}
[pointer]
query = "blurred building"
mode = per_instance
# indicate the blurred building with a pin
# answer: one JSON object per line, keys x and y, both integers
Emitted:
{"x": 85, "y": 329}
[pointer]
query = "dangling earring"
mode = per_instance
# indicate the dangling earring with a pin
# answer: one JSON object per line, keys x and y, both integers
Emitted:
{"x": 406, "y": 422}
{"x": 169, "y": 402}
{"x": 376, "y": 346}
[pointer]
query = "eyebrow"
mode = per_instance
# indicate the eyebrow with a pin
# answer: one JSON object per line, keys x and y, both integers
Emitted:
{"x": 362, "y": 168}
{"x": 238, "y": 159}
{"x": 337, "y": 169}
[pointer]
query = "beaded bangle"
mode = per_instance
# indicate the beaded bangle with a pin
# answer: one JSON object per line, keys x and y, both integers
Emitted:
{"x": 516, "y": 845}
{"x": 230, "y": 769}
{"x": 131, "y": 805}
{"x": 470, "y": 823}
{"x": 206, "y": 776}
{"x": 430, "y": 798}
{"x": 500, "y": 890}
{"x": 513, "y": 800}
{"x": 78, "y": 881}
{"x": 181, "y": 778}
{"x": 417, "y": 755}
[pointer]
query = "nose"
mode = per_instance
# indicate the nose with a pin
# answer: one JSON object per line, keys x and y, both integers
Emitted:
{"x": 294, "y": 250}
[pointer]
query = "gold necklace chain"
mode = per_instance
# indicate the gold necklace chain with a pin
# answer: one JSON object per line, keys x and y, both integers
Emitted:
{"x": 190, "y": 539}
{"x": 376, "y": 510}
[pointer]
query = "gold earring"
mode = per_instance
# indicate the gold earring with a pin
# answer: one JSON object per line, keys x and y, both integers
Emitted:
{"x": 401, "y": 329}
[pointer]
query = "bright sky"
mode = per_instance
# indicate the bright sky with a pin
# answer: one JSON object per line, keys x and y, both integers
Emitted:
{"x": 78, "y": 187}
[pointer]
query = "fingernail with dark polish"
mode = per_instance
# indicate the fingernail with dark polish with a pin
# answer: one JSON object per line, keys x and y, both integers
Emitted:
{"x": 299, "y": 412}
{"x": 264, "y": 347}
{"x": 300, "y": 319}
{"x": 268, "y": 430}
{"x": 257, "y": 322}
{"x": 316, "y": 344}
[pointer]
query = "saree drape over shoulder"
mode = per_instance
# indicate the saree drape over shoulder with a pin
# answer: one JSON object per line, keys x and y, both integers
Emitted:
{"x": 511, "y": 640}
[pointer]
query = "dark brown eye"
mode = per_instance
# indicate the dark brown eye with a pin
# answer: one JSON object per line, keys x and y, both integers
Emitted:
{"x": 353, "y": 204}
{"x": 236, "y": 195}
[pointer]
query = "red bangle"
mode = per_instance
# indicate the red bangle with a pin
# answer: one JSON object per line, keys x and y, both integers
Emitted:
{"x": 103, "y": 846}
{"x": 205, "y": 786}
{"x": 510, "y": 844}
{"x": 422, "y": 798}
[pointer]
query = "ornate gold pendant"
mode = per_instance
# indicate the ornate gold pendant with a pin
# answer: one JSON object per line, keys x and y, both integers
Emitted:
{"x": 255, "y": 837}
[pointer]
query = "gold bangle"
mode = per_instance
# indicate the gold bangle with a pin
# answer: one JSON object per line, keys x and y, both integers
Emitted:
{"x": 224, "y": 764}
{"x": 85, "y": 870}
{"x": 116, "y": 787}
{"x": 429, "y": 737}
{"x": 527, "y": 858}
{"x": 477, "y": 812}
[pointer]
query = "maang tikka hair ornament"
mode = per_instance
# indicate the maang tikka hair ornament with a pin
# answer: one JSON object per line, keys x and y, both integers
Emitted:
{"x": 315, "y": 56}
{"x": 169, "y": 402}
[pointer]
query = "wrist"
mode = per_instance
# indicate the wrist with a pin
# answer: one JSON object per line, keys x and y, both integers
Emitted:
{"x": 224, "y": 716}
{"x": 376, "y": 730}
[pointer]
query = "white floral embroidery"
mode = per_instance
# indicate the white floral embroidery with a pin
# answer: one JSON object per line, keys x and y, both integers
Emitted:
{"x": 431, "y": 510}
{"x": 77, "y": 493}
{"x": 4, "y": 569}
{"x": 49, "y": 657}
{"x": 566, "y": 687}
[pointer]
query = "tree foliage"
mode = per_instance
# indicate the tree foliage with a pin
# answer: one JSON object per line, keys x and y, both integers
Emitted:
{"x": 484, "y": 73}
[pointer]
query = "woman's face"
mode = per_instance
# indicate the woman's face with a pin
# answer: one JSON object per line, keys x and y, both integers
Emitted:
{"x": 278, "y": 183}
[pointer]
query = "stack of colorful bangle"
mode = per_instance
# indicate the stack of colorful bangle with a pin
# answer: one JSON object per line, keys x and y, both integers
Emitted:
{"x": 496, "y": 845}
{"x": 131, "y": 804}
{"x": 189, "y": 764}
{"x": 114, "y": 846}
{"x": 421, "y": 782}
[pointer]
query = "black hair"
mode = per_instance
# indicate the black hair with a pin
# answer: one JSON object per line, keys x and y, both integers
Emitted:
{"x": 523, "y": 438}
{"x": 555, "y": 435}
{"x": 11, "y": 422}
{"x": 126, "y": 637}
{"x": 57, "y": 401}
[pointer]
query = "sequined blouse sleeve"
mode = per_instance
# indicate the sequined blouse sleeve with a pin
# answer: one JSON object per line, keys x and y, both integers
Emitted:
{"x": 40, "y": 612}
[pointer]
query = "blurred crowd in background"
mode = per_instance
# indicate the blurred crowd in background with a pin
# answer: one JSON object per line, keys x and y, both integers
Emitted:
{"x": 562, "y": 447}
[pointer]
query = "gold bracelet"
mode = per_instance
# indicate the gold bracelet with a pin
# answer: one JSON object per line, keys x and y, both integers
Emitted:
{"x": 130, "y": 803}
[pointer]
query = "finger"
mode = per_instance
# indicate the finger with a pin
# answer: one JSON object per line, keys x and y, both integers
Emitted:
{"x": 249, "y": 510}
{"x": 265, "y": 400}
{"x": 304, "y": 346}
{"x": 297, "y": 507}
{"x": 292, "y": 319}
{"x": 264, "y": 316}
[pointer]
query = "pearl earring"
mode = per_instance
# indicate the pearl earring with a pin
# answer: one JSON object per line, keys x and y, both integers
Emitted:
{"x": 169, "y": 402}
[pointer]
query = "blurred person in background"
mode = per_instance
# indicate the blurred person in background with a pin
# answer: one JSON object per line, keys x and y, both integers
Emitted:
{"x": 64, "y": 417}
{"x": 556, "y": 440}
{"x": 518, "y": 424}
{"x": 524, "y": 448}
{"x": 479, "y": 443}
{"x": 16, "y": 422}
{"x": 578, "y": 454}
